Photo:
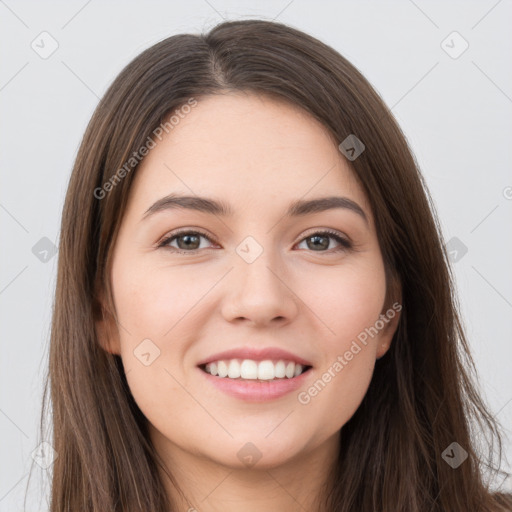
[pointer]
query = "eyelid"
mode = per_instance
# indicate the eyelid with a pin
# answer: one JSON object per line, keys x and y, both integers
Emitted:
{"x": 328, "y": 231}
{"x": 184, "y": 231}
{"x": 346, "y": 243}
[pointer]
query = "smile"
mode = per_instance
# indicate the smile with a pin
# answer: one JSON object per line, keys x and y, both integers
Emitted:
{"x": 255, "y": 381}
{"x": 249, "y": 369}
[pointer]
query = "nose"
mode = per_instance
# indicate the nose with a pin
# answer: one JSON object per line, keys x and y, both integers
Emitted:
{"x": 259, "y": 293}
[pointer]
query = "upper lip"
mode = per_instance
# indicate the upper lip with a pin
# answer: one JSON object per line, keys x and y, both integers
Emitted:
{"x": 256, "y": 354}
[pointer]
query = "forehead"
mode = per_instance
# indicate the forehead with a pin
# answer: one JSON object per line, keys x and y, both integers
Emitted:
{"x": 247, "y": 149}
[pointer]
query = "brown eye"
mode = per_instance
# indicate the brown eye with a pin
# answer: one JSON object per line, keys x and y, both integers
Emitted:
{"x": 319, "y": 241}
{"x": 187, "y": 241}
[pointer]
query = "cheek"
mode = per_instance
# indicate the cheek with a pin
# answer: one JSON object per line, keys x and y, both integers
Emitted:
{"x": 332, "y": 398}
{"x": 349, "y": 306}
{"x": 153, "y": 300}
{"x": 348, "y": 302}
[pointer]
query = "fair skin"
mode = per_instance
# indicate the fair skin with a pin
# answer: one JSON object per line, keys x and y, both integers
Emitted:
{"x": 258, "y": 155}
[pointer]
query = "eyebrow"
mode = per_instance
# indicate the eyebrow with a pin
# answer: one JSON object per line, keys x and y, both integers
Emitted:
{"x": 297, "y": 208}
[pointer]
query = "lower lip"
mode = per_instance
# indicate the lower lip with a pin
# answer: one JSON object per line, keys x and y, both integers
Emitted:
{"x": 255, "y": 390}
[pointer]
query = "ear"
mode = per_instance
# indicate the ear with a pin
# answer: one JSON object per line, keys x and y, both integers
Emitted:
{"x": 389, "y": 329}
{"x": 105, "y": 325}
{"x": 390, "y": 316}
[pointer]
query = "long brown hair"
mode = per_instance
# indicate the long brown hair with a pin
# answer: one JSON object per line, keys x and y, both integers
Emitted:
{"x": 423, "y": 395}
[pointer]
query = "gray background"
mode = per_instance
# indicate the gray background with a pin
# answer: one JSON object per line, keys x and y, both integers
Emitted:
{"x": 455, "y": 112}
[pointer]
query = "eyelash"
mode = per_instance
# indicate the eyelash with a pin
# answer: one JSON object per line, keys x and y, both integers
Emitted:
{"x": 345, "y": 245}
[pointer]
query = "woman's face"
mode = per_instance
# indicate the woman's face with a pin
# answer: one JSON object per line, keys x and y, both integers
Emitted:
{"x": 259, "y": 279}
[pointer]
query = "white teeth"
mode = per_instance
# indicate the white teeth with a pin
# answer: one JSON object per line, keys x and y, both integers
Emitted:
{"x": 280, "y": 370}
{"x": 222, "y": 369}
{"x": 234, "y": 369}
{"x": 249, "y": 369}
{"x": 252, "y": 370}
{"x": 266, "y": 370}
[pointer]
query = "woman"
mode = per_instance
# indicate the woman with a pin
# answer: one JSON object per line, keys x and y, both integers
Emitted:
{"x": 254, "y": 307}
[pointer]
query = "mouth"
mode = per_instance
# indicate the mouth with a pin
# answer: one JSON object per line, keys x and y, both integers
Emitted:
{"x": 255, "y": 371}
{"x": 254, "y": 381}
